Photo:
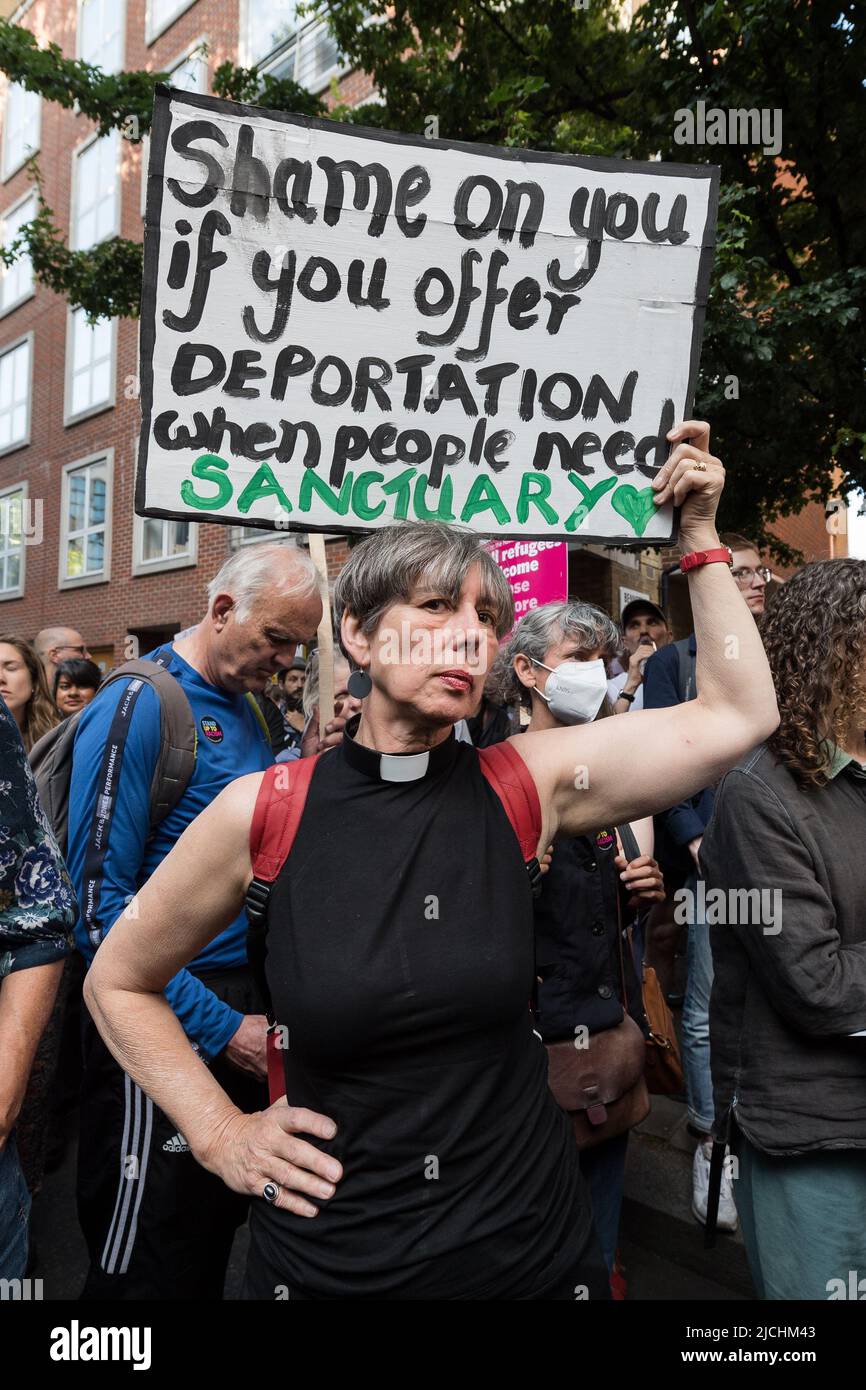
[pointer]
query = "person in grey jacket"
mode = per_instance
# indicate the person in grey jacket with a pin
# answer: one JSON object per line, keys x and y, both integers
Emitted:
{"x": 786, "y": 886}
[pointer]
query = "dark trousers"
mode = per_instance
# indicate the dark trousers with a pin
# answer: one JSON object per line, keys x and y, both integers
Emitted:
{"x": 157, "y": 1224}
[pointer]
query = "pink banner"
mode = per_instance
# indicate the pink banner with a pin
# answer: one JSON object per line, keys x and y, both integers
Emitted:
{"x": 536, "y": 570}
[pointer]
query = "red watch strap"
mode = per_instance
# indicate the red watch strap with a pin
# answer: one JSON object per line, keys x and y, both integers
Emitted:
{"x": 706, "y": 557}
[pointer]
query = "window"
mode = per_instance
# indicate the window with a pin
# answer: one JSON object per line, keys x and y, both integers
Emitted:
{"x": 20, "y": 127}
{"x": 161, "y": 14}
{"x": 188, "y": 75}
{"x": 269, "y": 24}
{"x": 100, "y": 33}
{"x": 163, "y": 545}
{"x": 89, "y": 365}
{"x": 96, "y": 204}
{"x": 12, "y": 541}
{"x": 86, "y": 520}
{"x": 15, "y": 395}
{"x": 249, "y": 535}
{"x": 16, "y": 281}
{"x": 301, "y": 48}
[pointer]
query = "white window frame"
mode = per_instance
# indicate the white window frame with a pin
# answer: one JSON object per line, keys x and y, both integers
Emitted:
{"x": 13, "y": 489}
{"x": 9, "y": 169}
{"x": 77, "y": 152}
{"x": 238, "y": 540}
{"x": 118, "y": 4}
{"x": 13, "y": 207}
{"x": 10, "y": 347}
{"x": 70, "y": 417}
{"x": 272, "y": 60}
{"x": 140, "y": 566}
{"x": 83, "y": 580}
{"x": 200, "y": 43}
{"x": 150, "y": 32}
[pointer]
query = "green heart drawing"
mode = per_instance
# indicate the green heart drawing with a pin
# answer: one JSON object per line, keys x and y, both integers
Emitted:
{"x": 636, "y": 507}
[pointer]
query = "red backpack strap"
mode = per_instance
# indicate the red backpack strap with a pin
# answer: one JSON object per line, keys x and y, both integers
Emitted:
{"x": 513, "y": 783}
{"x": 277, "y": 815}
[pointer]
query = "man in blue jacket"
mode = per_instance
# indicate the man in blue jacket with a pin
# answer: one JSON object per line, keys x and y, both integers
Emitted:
{"x": 158, "y": 1225}
{"x": 669, "y": 679}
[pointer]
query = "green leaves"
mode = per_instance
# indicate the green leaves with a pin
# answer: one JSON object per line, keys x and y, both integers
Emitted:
{"x": 786, "y": 318}
{"x": 111, "y": 100}
{"x": 517, "y": 89}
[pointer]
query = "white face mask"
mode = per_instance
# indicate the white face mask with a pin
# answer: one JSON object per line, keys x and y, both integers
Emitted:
{"x": 575, "y": 690}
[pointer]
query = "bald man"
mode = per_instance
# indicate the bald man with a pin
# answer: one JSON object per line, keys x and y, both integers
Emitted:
{"x": 56, "y": 644}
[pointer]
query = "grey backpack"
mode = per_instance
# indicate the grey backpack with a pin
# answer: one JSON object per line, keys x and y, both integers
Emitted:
{"x": 51, "y": 757}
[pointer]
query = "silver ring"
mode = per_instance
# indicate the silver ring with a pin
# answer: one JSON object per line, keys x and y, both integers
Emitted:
{"x": 271, "y": 1192}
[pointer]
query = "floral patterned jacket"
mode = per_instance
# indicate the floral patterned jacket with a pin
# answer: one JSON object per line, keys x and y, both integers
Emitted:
{"x": 37, "y": 904}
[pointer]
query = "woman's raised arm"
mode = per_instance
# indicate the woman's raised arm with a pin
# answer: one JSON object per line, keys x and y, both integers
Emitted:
{"x": 193, "y": 895}
{"x": 621, "y": 769}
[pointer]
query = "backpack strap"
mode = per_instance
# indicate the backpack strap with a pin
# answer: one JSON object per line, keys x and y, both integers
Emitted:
{"x": 628, "y": 840}
{"x": 176, "y": 760}
{"x": 276, "y": 817}
{"x": 510, "y": 778}
{"x": 259, "y": 716}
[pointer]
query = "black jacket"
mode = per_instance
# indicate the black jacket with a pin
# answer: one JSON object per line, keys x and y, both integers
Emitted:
{"x": 788, "y": 993}
{"x": 577, "y": 949}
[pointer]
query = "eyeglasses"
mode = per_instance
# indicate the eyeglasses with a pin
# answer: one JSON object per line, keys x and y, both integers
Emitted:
{"x": 745, "y": 574}
{"x": 82, "y": 651}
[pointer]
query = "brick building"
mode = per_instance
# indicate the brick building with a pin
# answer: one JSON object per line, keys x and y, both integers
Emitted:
{"x": 71, "y": 549}
{"x": 69, "y": 413}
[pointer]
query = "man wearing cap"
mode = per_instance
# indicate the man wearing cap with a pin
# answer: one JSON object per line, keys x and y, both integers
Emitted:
{"x": 283, "y": 699}
{"x": 644, "y": 630}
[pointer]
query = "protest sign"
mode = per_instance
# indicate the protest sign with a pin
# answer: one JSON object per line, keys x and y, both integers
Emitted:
{"x": 343, "y": 327}
{"x": 537, "y": 572}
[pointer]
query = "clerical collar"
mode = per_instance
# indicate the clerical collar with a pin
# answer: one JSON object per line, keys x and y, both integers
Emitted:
{"x": 397, "y": 767}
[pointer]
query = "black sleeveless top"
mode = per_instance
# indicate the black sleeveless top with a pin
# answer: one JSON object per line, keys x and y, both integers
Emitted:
{"x": 400, "y": 959}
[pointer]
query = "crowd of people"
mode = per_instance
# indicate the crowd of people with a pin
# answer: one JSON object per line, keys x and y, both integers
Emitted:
{"x": 432, "y": 923}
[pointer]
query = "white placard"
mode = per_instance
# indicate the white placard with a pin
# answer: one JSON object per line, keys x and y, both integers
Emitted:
{"x": 344, "y": 327}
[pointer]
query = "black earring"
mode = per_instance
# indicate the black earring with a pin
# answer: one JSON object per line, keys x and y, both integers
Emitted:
{"x": 360, "y": 685}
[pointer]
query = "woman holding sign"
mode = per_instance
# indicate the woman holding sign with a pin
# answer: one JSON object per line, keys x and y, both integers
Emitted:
{"x": 419, "y": 1133}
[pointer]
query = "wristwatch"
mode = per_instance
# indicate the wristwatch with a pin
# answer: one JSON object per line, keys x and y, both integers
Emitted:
{"x": 692, "y": 561}
{"x": 627, "y": 695}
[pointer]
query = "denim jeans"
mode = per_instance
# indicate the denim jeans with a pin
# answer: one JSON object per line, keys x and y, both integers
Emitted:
{"x": 604, "y": 1170}
{"x": 804, "y": 1222}
{"x": 14, "y": 1213}
{"x": 696, "y": 1019}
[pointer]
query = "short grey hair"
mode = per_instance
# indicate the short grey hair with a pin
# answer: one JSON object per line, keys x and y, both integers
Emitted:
{"x": 552, "y": 623}
{"x": 254, "y": 568}
{"x": 385, "y": 567}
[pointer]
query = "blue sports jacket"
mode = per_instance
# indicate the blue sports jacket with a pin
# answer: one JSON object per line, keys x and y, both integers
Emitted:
{"x": 229, "y": 744}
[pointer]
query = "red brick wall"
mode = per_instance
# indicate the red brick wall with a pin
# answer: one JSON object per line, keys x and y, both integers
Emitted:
{"x": 807, "y": 531}
{"x": 104, "y": 612}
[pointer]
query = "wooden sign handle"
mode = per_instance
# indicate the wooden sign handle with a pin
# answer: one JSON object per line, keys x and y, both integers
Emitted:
{"x": 326, "y": 633}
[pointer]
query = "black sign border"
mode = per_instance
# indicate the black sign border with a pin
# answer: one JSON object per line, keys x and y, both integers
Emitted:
{"x": 163, "y": 97}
